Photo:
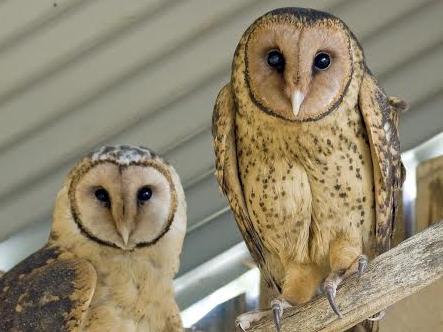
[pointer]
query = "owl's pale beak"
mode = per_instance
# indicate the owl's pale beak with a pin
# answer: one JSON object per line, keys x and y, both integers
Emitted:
{"x": 124, "y": 233}
{"x": 296, "y": 100}
{"x": 123, "y": 223}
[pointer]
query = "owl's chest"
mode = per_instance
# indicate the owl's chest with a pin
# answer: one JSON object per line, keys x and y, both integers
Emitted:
{"x": 320, "y": 169}
{"x": 275, "y": 184}
{"x": 124, "y": 302}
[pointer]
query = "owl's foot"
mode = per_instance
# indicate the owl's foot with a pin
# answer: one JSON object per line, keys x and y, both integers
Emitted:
{"x": 334, "y": 279}
{"x": 277, "y": 306}
{"x": 245, "y": 320}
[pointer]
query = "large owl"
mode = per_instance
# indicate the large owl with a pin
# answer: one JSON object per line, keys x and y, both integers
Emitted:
{"x": 307, "y": 153}
{"x": 117, "y": 232}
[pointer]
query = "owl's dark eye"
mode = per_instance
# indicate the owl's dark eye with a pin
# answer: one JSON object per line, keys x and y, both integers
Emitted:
{"x": 103, "y": 196}
{"x": 322, "y": 61}
{"x": 276, "y": 60}
{"x": 144, "y": 194}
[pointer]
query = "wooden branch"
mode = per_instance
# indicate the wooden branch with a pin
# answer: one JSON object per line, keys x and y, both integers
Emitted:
{"x": 398, "y": 273}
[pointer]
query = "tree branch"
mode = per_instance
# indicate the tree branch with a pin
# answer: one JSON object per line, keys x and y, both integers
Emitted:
{"x": 390, "y": 277}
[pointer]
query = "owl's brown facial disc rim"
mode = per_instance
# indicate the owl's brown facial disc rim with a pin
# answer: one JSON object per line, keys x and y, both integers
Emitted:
{"x": 86, "y": 165}
{"x": 267, "y": 87}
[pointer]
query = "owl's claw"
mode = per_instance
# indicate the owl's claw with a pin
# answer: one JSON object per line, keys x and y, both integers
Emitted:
{"x": 362, "y": 264}
{"x": 277, "y": 306}
{"x": 330, "y": 290}
{"x": 335, "y": 278}
{"x": 244, "y": 321}
{"x": 240, "y": 325}
{"x": 277, "y": 312}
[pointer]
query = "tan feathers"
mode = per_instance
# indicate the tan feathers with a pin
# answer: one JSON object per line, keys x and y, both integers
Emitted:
{"x": 301, "y": 186}
{"x": 91, "y": 276}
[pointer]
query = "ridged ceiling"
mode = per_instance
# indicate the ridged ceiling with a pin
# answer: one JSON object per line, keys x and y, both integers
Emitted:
{"x": 76, "y": 74}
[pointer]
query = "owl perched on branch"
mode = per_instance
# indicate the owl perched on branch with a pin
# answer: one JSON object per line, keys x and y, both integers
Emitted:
{"x": 307, "y": 153}
{"x": 117, "y": 232}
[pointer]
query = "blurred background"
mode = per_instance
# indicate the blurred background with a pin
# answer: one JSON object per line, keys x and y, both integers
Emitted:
{"x": 76, "y": 74}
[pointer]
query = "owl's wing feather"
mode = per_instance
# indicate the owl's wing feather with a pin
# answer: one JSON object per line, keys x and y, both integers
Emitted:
{"x": 46, "y": 293}
{"x": 381, "y": 117}
{"x": 226, "y": 171}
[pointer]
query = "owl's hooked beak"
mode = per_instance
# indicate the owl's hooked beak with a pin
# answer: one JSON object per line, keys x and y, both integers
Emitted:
{"x": 124, "y": 232}
{"x": 296, "y": 100}
{"x": 124, "y": 224}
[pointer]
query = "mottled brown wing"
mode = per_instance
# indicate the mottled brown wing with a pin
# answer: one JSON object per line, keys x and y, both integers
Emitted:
{"x": 46, "y": 293}
{"x": 226, "y": 171}
{"x": 380, "y": 114}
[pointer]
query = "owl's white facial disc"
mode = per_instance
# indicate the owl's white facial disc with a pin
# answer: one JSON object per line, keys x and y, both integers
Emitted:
{"x": 298, "y": 63}
{"x": 124, "y": 205}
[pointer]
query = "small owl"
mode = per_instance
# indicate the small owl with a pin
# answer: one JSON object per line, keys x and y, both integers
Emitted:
{"x": 114, "y": 246}
{"x": 307, "y": 153}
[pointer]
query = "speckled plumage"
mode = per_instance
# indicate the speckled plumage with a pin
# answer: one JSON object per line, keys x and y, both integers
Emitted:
{"x": 48, "y": 291}
{"x": 85, "y": 280}
{"x": 309, "y": 192}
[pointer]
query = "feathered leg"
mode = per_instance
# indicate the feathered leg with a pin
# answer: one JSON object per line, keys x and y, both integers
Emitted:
{"x": 345, "y": 259}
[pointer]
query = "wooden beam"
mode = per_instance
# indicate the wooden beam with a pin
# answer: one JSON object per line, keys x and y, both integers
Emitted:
{"x": 398, "y": 273}
{"x": 429, "y": 203}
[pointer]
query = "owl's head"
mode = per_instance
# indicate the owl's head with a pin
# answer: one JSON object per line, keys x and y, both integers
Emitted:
{"x": 122, "y": 197}
{"x": 297, "y": 63}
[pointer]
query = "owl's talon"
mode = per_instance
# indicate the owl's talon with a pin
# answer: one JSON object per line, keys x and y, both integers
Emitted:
{"x": 330, "y": 291}
{"x": 245, "y": 320}
{"x": 239, "y": 325}
{"x": 278, "y": 305}
{"x": 378, "y": 316}
{"x": 335, "y": 278}
{"x": 277, "y": 318}
{"x": 362, "y": 264}
{"x": 277, "y": 312}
